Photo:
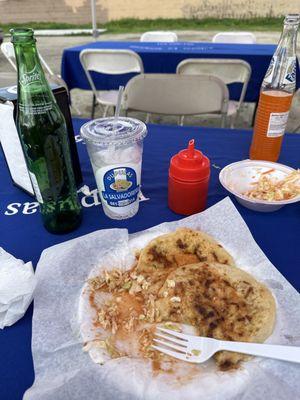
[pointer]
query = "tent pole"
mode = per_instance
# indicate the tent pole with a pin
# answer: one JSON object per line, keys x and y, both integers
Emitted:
{"x": 94, "y": 19}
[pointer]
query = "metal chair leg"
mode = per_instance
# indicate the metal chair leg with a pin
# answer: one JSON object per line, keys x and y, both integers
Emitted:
{"x": 105, "y": 111}
{"x": 147, "y": 118}
{"x": 72, "y": 106}
{"x": 254, "y": 114}
{"x": 223, "y": 121}
{"x": 232, "y": 121}
{"x": 181, "y": 120}
{"x": 93, "y": 106}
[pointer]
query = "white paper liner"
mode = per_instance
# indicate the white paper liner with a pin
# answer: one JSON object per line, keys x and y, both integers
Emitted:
{"x": 17, "y": 283}
{"x": 63, "y": 371}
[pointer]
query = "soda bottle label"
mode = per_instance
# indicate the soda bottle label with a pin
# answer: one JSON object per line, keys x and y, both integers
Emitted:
{"x": 290, "y": 71}
{"x": 289, "y": 74}
{"x": 36, "y": 188}
{"x": 277, "y": 124}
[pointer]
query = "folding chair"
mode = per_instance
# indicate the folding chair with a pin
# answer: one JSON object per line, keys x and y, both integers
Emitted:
{"x": 7, "y": 49}
{"x": 230, "y": 71}
{"x": 234, "y": 37}
{"x": 112, "y": 62}
{"x": 173, "y": 94}
{"x": 159, "y": 36}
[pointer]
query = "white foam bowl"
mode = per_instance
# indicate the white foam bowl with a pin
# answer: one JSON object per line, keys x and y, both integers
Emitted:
{"x": 239, "y": 177}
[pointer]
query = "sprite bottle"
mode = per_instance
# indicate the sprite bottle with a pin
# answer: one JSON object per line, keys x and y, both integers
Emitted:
{"x": 43, "y": 134}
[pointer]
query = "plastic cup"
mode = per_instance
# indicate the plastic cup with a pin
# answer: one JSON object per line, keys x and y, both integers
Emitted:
{"x": 115, "y": 149}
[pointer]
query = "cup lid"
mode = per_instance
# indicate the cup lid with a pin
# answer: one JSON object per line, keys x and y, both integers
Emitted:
{"x": 107, "y": 131}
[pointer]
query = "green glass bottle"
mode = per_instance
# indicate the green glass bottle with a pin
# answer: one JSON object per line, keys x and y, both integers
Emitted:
{"x": 43, "y": 134}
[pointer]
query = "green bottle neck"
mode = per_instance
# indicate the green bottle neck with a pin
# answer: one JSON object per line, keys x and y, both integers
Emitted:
{"x": 27, "y": 57}
{"x": 30, "y": 72}
{"x": 31, "y": 78}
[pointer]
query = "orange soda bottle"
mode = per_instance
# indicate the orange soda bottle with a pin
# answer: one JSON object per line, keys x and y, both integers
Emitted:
{"x": 276, "y": 95}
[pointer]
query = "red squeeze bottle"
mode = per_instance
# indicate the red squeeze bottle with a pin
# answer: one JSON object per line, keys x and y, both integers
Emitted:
{"x": 188, "y": 181}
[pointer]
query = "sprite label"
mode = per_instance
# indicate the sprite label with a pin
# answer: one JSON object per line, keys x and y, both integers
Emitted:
{"x": 29, "y": 78}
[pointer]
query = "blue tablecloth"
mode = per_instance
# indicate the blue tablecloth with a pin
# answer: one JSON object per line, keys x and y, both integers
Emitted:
{"x": 164, "y": 58}
{"x": 23, "y": 235}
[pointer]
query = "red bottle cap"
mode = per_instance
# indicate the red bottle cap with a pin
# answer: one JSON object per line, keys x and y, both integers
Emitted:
{"x": 189, "y": 164}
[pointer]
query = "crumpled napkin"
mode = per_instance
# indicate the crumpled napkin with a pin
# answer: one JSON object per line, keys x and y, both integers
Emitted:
{"x": 17, "y": 284}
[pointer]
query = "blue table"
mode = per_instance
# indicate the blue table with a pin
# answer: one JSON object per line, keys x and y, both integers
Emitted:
{"x": 164, "y": 58}
{"x": 23, "y": 235}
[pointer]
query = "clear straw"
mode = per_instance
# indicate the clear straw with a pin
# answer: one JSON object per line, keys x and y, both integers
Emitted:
{"x": 118, "y": 105}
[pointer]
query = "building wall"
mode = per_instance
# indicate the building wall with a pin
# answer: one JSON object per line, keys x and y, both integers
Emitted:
{"x": 78, "y": 11}
{"x": 70, "y": 11}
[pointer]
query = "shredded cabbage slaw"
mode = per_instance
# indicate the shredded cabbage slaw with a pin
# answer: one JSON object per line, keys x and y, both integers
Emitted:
{"x": 269, "y": 189}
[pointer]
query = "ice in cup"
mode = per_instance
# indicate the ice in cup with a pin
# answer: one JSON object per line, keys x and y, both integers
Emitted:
{"x": 115, "y": 149}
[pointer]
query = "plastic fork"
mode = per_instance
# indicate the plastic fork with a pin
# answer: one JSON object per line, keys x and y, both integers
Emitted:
{"x": 197, "y": 349}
